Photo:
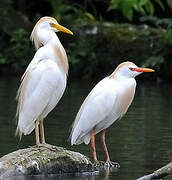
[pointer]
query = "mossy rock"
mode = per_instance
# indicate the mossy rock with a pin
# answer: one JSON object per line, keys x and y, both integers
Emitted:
{"x": 33, "y": 161}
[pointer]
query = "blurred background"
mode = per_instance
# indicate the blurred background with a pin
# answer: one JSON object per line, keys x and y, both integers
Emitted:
{"x": 106, "y": 32}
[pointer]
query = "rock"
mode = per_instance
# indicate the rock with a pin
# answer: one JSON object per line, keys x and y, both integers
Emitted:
{"x": 32, "y": 161}
{"x": 159, "y": 174}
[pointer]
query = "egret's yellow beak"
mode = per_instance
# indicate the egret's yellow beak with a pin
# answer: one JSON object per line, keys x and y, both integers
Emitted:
{"x": 61, "y": 28}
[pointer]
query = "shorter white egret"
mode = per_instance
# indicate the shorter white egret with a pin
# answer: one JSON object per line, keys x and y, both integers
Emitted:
{"x": 107, "y": 102}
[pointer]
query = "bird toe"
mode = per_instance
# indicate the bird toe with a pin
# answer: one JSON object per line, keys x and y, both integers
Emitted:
{"x": 111, "y": 164}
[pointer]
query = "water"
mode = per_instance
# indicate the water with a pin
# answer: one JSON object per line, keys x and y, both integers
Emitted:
{"x": 141, "y": 142}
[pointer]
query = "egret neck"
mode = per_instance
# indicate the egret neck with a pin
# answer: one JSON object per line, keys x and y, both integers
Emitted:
{"x": 52, "y": 49}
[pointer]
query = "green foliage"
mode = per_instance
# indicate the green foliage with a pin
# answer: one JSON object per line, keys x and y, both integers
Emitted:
{"x": 19, "y": 49}
{"x": 166, "y": 39}
{"x": 81, "y": 53}
{"x": 73, "y": 14}
{"x": 154, "y": 62}
{"x": 3, "y": 60}
{"x": 128, "y": 7}
{"x": 161, "y": 53}
{"x": 17, "y": 54}
{"x": 59, "y": 9}
{"x": 158, "y": 22}
{"x": 87, "y": 53}
{"x": 6, "y": 2}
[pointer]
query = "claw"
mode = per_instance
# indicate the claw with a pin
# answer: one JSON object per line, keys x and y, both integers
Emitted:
{"x": 111, "y": 164}
{"x": 106, "y": 164}
{"x": 98, "y": 163}
{"x": 48, "y": 146}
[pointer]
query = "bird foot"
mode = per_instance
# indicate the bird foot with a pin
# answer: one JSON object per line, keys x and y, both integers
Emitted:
{"x": 111, "y": 164}
{"x": 48, "y": 146}
{"x": 108, "y": 164}
{"x": 98, "y": 163}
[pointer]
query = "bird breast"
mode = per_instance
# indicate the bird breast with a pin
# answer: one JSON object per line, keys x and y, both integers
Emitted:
{"x": 124, "y": 96}
{"x": 62, "y": 57}
{"x": 126, "y": 91}
{"x": 56, "y": 53}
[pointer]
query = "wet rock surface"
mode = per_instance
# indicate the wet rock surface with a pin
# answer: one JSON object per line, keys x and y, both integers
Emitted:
{"x": 33, "y": 161}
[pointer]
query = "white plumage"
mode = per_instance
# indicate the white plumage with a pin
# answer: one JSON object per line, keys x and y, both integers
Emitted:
{"x": 44, "y": 80}
{"x": 45, "y": 87}
{"x": 107, "y": 102}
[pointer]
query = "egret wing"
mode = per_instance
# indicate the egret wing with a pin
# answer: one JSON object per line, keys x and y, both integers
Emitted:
{"x": 36, "y": 93}
{"x": 25, "y": 80}
{"x": 96, "y": 107}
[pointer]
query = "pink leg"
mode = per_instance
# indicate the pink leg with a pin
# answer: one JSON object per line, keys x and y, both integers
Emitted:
{"x": 104, "y": 145}
{"x": 108, "y": 162}
{"x": 93, "y": 147}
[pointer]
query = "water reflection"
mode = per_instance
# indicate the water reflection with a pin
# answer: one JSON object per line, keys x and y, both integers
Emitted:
{"x": 141, "y": 142}
{"x": 103, "y": 174}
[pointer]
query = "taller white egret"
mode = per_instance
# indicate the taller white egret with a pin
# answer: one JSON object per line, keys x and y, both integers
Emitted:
{"x": 44, "y": 81}
{"x": 107, "y": 102}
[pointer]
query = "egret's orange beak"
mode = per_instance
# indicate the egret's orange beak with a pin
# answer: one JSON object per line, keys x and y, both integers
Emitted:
{"x": 142, "y": 69}
{"x": 61, "y": 28}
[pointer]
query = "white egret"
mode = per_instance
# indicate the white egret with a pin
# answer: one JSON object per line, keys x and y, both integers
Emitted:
{"x": 44, "y": 81}
{"x": 107, "y": 102}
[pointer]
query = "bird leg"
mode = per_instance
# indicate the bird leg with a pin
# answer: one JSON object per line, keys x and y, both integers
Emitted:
{"x": 42, "y": 132}
{"x": 43, "y": 143}
{"x": 104, "y": 144}
{"x": 37, "y": 133}
{"x": 93, "y": 147}
{"x": 108, "y": 162}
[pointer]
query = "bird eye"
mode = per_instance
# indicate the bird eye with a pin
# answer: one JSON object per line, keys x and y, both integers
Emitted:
{"x": 132, "y": 69}
{"x": 51, "y": 24}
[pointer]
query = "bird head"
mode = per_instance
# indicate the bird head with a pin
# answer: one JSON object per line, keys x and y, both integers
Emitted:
{"x": 130, "y": 70}
{"x": 44, "y": 28}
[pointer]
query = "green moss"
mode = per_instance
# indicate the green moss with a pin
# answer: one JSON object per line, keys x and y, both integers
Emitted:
{"x": 121, "y": 33}
{"x": 36, "y": 161}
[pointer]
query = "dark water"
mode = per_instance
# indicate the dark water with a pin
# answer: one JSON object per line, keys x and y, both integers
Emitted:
{"x": 141, "y": 142}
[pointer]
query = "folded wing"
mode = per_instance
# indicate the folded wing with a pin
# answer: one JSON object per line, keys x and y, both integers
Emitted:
{"x": 94, "y": 111}
{"x": 38, "y": 94}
